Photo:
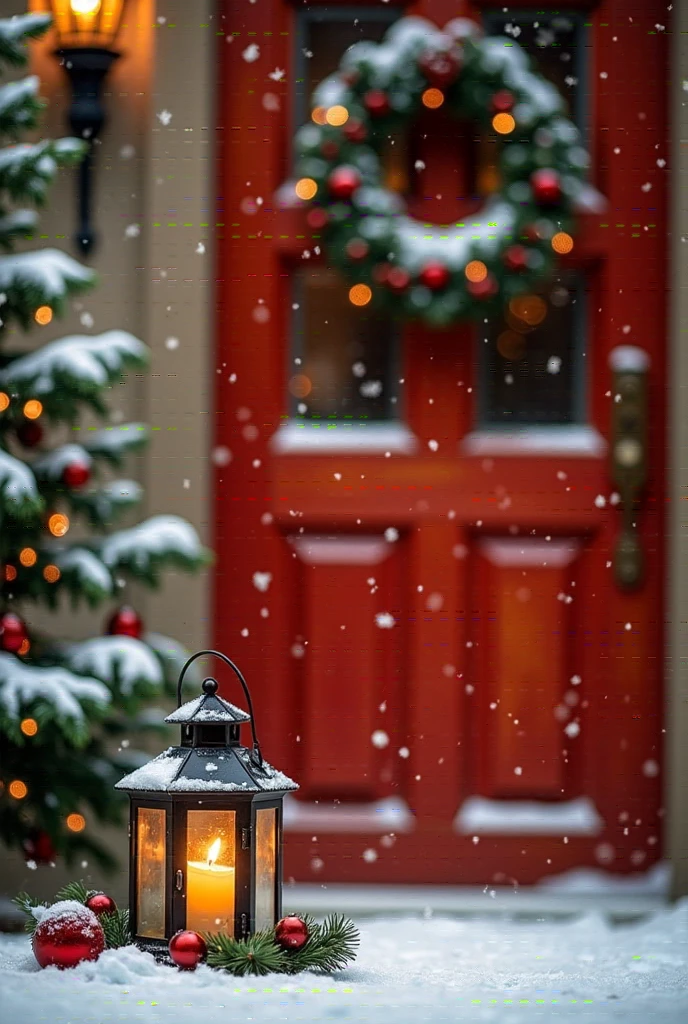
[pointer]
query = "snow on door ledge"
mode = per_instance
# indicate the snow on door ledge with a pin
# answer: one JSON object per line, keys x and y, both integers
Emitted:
{"x": 479, "y": 815}
{"x": 390, "y": 814}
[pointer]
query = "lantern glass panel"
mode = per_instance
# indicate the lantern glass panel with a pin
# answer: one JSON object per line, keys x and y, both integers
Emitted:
{"x": 211, "y": 874}
{"x": 266, "y": 855}
{"x": 150, "y": 872}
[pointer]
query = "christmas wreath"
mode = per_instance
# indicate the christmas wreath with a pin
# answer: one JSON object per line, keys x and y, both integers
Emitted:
{"x": 440, "y": 273}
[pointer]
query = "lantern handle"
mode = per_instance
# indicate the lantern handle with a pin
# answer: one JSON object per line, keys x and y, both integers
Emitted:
{"x": 228, "y": 661}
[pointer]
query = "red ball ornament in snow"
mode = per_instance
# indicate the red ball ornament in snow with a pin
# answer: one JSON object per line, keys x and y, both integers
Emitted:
{"x": 435, "y": 276}
{"x": 354, "y": 130}
{"x": 101, "y": 903}
{"x": 516, "y": 258}
{"x": 546, "y": 186}
{"x": 12, "y": 632}
{"x": 502, "y": 102}
{"x": 357, "y": 249}
{"x": 398, "y": 279}
{"x": 30, "y": 433}
{"x": 38, "y": 847}
{"x": 484, "y": 289}
{"x": 343, "y": 182}
{"x": 75, "y": 475}
{"x": 376, "y": 102}
{"x": 67, "y": 934}
{"x": 126, "y": 622}
{"x": 440, "y": 69}
{"x": 187, "y": 949}
{"x": 317, "y": 218}
{"x": 291, "y": 933}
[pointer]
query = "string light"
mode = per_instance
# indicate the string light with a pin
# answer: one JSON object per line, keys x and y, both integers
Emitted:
{"x": 305, "y": 188}
{"x": 10, "y": 573}
{"x": 28, "y": 557}
{"x": 58, "y": 524}
{"x": 503, "y": 124}
{"x": 76, "y": 822}
{"x": 300, "y": 385}
{"x": 43, "y": 315}
{"x": 562, "y": 243}
{"x": 29, "y": 726}
{"x": 360, "y": 295}
{"x": 475, "y": 271}
{"x": 337, "y": 115}
{"x": 24, "y": 648}
{"x": 17, "y": 789}
{"x": 33, "y": 409}
{"x": 319, "y": 115}
{"x": 4, "y": 401}
{"x": 432, "y": 98}
{"x": 51, "y": 574}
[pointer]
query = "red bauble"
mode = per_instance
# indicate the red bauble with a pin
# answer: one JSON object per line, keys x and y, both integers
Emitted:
{"x": 546, "y": 186}
{"x": 398, "y": 279}
{"x": 440, "y": 68}
{"x": 516, "y": 257}
{"x": 381, "y": 273}
{"x": 187, "y": 949}
{"x": 355, "y": 130}
{"x": 30, "y": 433}
{"x": 484, "y": 289}
{"x": 317, "y": 218}
{"x": 38, "y": 847}
{"x": 435, "y": 276}
{"x": 67, "y": 934}
{"x": 329, "y": 149}
{"x": 126, "y": 622}
{"x": 357, "y": 249}
{"x": 376, "y": 102}
{"x": 101, "y": 903}
{"x": 343, "y": 182}
{"x": 75, "y": 475}
{"x": 502, "y": 102}
{"x": 12, "y": 632}
{"x": 291, "y": 933}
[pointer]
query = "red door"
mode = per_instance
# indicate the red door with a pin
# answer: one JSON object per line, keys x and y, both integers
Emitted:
{"x": 416, "y": 530}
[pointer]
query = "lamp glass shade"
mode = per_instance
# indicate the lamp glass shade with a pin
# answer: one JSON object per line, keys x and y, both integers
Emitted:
{"x": 87, "y": 23}
{"x": 266, "y": 863}
{"x": 210, "y": 871}
{"x": 150, "y": 871}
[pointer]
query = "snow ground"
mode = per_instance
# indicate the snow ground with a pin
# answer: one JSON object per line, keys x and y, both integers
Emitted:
{"x": 410, "y": 970}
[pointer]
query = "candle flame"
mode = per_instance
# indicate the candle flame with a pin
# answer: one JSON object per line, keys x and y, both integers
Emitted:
{"x": 213, "y": 852}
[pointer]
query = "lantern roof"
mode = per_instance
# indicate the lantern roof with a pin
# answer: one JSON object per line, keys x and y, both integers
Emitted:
{"x": 206, "y": 770}
{"x": 208, "y": 708}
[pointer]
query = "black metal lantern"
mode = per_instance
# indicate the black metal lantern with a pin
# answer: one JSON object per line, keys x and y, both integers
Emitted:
{"x": 86, "y": 31}
{"x": 206, "y": 826}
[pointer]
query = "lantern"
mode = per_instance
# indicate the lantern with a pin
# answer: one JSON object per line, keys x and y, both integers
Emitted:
{"x": 206, "y": 826}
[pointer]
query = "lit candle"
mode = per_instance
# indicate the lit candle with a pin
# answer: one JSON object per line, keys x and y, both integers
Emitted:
{"x": 210, "y": 894}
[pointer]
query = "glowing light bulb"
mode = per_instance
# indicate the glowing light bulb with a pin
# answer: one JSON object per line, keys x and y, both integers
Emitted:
{"x": 305, "y": 188}
{"x": 28, "y": 557}
{"x": 87, "y": 7}
{"x": 33, "y": 409}
{"x": 17, "y": 789}
{"x": 43, "y": 315}
{"x": 76, "y": 822}
{"x": 29, "y": 726}
{"x": 433, "y": 98}
{"x": 360, "y": 295}
{"x": 503, "y": 124}
{"x": 337, "y": 115}
{"x": 58, "y": 524}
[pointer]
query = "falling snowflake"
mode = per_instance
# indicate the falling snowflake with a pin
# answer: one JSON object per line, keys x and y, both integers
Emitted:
{"x": 86, "y": 320}
{"x": 262, "y": 580}
{"x": 127, "y": 152}
{"x": 512, "y": 30}
{"x": 575, "y": 680}
{"x": 404, "y": 752}
{"x": 358, "y": 369}
{"x": 222, "y": 456}
{"x": 646, "y": 187}
{"x": 419, "y": 165}
{"x": 380, "y": 739}
{"x": 164, "y": 117}
{"x": 172, "y": 343}
{"x": 271, "y": 102}
{"x": 661, "y": 163}
{"x": 251, "y": 53}
{"x": 385, "y": 620}
{"x": 434, "y": 602}
{"x": 200, "y": 248}
{"x": 572, "y": 729}
{"x": 553, "y": 364}
{"x": 277, "y": 75}
{"x": 518, "y": 770}
{"x": 391, "y": 534}
{"x": 650, "y": 769}
{"x": 297, "y": 650}
{"x": 571, "y": 80}
{"x": 371, "y": 388}
{"x": 433, "y": 445}
{"x": 261, "y": 314}
{"x": 600, "y": 501}
{"x": 369, "y": 855}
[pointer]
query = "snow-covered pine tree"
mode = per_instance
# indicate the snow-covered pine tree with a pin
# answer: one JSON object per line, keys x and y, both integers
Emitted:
{"x": 65, "y": 706}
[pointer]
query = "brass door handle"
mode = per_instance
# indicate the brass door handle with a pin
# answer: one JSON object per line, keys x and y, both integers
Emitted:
{"x": 629, "y": 366}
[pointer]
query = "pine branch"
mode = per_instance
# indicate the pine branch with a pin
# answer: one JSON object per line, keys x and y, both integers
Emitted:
{"x": 73, "y": 891}
{"x": 15, "y": 32}
{"x": 26, "y": 904}
{"x": 116, "y": 928}
{"x": 257, "y": 955}
{"x": 330, "y": 946}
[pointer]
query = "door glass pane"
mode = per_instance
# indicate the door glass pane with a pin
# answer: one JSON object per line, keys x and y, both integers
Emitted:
{"x": 150, "y": 872}
{"x": 210, "y": 871}
{"x": 266, "y": 865}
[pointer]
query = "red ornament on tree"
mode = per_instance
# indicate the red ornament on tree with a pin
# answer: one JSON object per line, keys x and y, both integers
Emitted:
{"x": 516, "y": 257}
{"x": 440, "y": 68}
{"x": 546, "y": 186}
{"x": 101, "y": 903}
{"x": 435, "y": 276}
{"x": 38, "y": 847}
{"x": 75, "y": 475}
{"x": 343, "y": 182}
{"x": 376, "y": 102}
{"x": 67, "y": 933}
{"x": 126, "y": 621}
{"x": 291, "y": 933}
{"x": 317, "y": 218}
{"x": 355, "y": 130}
{"x": 357, "y": 249}
{"x": 398, "y": 279}
{"x": 187, "y": 949}
{"x": 29, "y": 433}
{"x": 502, "y": 102}
{"x": 12, "y": 632}
{"x": 381, "y": 272}
{"x": 484, "y": 289}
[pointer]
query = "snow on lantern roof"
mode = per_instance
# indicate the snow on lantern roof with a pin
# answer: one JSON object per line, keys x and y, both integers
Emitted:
{"x": 206, "y": 770}
{"x": 206, "y": 709}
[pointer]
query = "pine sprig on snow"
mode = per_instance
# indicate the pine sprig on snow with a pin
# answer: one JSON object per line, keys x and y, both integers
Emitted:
{"x": 26, "y": 904}
{"x": 117, "y": 929}
{"x": 330, "y": 947}
{"x": 73, "y": 891}
{"x": 256, "y": 955}
{"x": 115, "y": 925}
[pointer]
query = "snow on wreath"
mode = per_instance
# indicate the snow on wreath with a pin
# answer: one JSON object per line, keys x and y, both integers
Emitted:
{"x": 440, "y": 273}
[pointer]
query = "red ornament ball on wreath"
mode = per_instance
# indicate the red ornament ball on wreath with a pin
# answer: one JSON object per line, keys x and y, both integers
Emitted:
{"x": 12, "y": 632}
{"x": 435, "y": 276}
{"x": 484, "y": 289}
{"x": 355, "y": 130}
{"x": 126, "y": 621}
{"x": 76, "y": 474}
{"x": 546, "y": 186}
{"x": 100, "y": 903}
{"x": 516, "y": 258}
{"x": 29, "y": 433}
{"x": 67, "y": 934}
{"x": 440, "y": 68}
{"x": 502, "y": 102}
{"x": 291, "y": 933}
{"x": 376, "y": 102}
{"x": 343, "y": 182}
{"x": 187, "y": 950}
{"x": 398, "y": 279}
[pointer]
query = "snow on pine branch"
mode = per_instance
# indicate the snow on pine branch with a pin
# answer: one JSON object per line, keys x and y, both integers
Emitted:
{"x": 51, "y": 465}
{"x": 19, "y": 106}
{"x": 173, "y": 656}
{"x": 83, "y": 573}
{"x": 141, "y": 549}
{"x": 32, "y": 279}
{"x": 122, "y": 662}
{"x": 105, "y": 505}
{"x": 17, "y": 224}
{"x": 17, "y": 485}
{"x": 14, "y": 32}
{"x": 113, "y": 443}
{"x": 27, "y": 169}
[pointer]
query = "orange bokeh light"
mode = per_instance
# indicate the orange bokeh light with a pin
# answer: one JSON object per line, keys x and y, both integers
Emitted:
{"x": 319, "y": 115}
{"x": 300, "y": 385}
{"x": 76, "y": 822}
{"x": 43, "y": 315}
{"x": 337, "y": 115}
{"x": 33, "y": 409}
{"x": 531, "y": 309}
{"x": 10, "y": 573}
{"x": 305, "y": 188}
{"x": 58, "y": 524}
{"x": 433, "y": 98}
{"x": 475, "y": 271}
{"x": 29, "y": 726}
{"x": 562, "y": 243}
{"x": 503, "y": 124}
{"x": 511, "y": 345}
{"x": 360, "y": 295}
{"x": 28, "y": 557}
{"x": 17, "y": 789}
{"x": 51, "y": 574}
{"x": 24, "y": 648}
{"x": 4, "y": 401}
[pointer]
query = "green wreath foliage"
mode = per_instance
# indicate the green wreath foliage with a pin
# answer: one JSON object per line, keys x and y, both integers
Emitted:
{"x": 418, "y": 270}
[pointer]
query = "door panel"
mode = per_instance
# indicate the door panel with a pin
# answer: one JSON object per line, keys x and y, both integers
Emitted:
{"x": 415, "y": 529}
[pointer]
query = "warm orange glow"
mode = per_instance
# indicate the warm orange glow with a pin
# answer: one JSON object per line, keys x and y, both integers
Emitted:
{"x": 29, "y": 726}
{"x": 503, "y": 124}
{"x": 337, "y": 115}
{"x": 24, "y": 648}
{"x": 319, "y": 115}
{"x": 562, "y": 243}
{"x": 433, "y": 98}
{"x": 84, "y": 6}
{"x": 305, "y": 188}
{"x": 10, "y": 573}
{"x": 33, "y": 409}
{"x": 300, "y": 385}
{"x": 214, "y": 851}
{"x": 28, "y": 557}
{"x": 360, "y": 295}
{"x": 475, "y": 271}
{"x": 58, "y": 524}
{"x": 76, "y": 822}
{"x": 529, "y": 308}
{"x": 511, "y": 345}
{"x": 4, "y": 401}
{"x": 43, "y": 315}
{"x": 17, "y": 789}
{"x": 51, "y": 574}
